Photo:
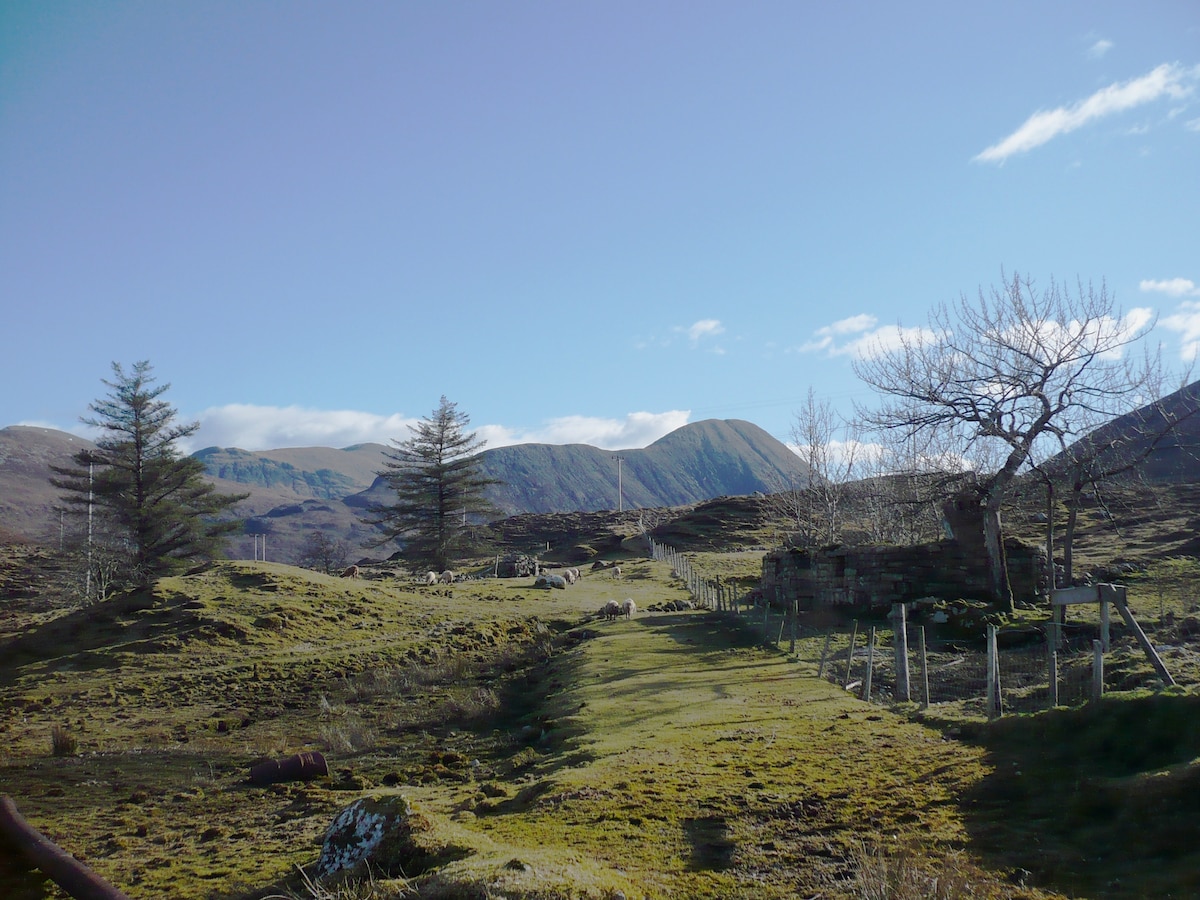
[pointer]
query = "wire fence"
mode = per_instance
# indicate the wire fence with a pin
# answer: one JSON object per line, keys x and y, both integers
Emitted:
{"x": 1037, "y": 669}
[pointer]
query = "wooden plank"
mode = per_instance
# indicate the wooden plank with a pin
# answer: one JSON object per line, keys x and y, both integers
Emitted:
{"x": 1084, "y": 594}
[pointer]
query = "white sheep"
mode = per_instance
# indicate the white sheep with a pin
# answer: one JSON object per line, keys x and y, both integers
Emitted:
{"x": 612, "y": 609}
{"x": 628, "y": 607}
{"x": 616, "y": 572}
{"x": 446, "y": 577}
{"x": 569, "y": 576}
{"x": 431, "y": 577}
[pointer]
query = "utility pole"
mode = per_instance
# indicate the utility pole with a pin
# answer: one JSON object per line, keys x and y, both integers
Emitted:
{"x": 620, "y": 501}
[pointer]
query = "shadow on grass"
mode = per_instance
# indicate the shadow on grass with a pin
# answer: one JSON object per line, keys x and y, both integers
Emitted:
{"x": 87, "y": 637}
{"x": 1099, "y": 801}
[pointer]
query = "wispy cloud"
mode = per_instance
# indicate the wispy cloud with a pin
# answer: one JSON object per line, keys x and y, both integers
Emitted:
{"x": 858, "y": 337}
{"x": 251, "y": 427}
{"x": 1186, "y": 321}
{"x": 703, "y": 329}
{"x": 637, "y": 429}
{"x": 1099, "y": 48}
{"x": 1168, "y": 80}
{"x": 1172, "y": 287}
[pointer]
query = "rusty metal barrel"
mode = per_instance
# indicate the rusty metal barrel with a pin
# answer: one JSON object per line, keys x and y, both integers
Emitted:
{"x": 40, "y": 852}
{"x": 301, "y": 767}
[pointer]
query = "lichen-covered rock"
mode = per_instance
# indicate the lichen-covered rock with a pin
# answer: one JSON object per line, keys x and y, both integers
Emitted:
{"x": 387, "y": 834}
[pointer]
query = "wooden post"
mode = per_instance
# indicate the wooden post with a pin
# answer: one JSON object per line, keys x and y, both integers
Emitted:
{"x": 850, "y": 655}
{"x": 824, "y": 653}
{"x": 1097, "y": 669}
{"x": 993, "y": 674}
{"x": 900, "y": 630}
{"x": 924, "y": 667}
{"x": 870, "y": 665}
{"x": 1052, "y": 658}
{"x": 1117, "y": 595}
{"x": 795, "y": 614}
{"x": 1104, "y": 621}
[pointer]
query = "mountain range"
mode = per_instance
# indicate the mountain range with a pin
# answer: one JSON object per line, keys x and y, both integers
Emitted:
{"x": 295, "y": 491}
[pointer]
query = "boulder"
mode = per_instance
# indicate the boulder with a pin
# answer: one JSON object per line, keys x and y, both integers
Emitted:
{"x": 384, "y": 835}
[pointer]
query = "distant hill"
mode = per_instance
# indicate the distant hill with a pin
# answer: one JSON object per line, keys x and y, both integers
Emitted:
{"x": 27, "y": 499}
{"x": 1175, "y": 457}
{"x": 712, "y": 458}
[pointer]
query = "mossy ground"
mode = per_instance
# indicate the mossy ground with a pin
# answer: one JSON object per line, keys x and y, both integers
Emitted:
{"x": 668, "y": 756}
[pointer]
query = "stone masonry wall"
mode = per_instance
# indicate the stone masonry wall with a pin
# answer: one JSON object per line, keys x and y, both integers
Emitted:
{"x": 867, "y": 580}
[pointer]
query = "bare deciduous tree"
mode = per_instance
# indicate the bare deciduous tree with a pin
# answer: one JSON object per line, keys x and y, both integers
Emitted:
{"x": 1010, "y": 370}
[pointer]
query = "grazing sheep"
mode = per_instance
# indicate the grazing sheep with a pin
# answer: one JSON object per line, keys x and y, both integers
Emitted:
{"x": 628, "y": 607}
{"x": 431, "y": 577}
{"x": 616, "y": 572}
{"x": 612, "y": 609}
{"x": 350, "y": 572}
{"x": 576, "y": 573}
{"x": 446, "y": 577}
{"x": 569, "y": 576}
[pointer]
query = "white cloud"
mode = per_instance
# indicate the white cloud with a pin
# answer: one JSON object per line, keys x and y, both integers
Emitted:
{"x": 637, "y": 429}
{"x": 1192, "y": 124}
{"x": 704, "y": 328}
{"x": 870, "y": 341}
{"x": 1168, "y": 80}
{"x": 1172, "y": 287}
{"x": 1186, "y": 321}
{"x": 252, "y": 427}
{"x": 1098, "y": 49}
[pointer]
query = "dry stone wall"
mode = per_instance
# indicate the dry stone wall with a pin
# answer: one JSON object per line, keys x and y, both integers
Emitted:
{"x": 867, "y": 580}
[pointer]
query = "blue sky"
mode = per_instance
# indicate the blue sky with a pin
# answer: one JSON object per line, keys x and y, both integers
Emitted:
{"x": 582, "y": 222}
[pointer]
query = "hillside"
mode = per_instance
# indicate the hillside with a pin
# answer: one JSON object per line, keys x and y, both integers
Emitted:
{"x": 27, "y": 499}
{"x": 700, "y": 461}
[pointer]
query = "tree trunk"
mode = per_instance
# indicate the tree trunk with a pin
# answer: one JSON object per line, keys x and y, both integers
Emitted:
{"x": 993, "y": 540}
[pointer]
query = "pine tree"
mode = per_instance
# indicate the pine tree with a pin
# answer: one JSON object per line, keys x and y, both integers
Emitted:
{"x": 439, "y": 489}
{"x": 151, "y": 498}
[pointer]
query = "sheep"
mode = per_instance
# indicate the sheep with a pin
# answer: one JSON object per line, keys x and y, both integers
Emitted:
{"x": 611, "y": 610}
{"x": 431, "y": 578}
{"x": 616, "y": 572}
{"x": 446, "y": 577}
{"x": 628, "y": 608}
{"x": 569, "y": 576}
{"x": 575, "y": 573}
{"x": 350, "y": 572}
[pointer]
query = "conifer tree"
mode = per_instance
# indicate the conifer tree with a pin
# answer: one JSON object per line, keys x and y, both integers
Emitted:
{"x": 152, "y": 500}
{"x": 439, "y": 489}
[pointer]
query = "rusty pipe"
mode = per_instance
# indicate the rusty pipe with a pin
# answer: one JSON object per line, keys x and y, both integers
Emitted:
{"x": 301, "y": 767}
{"x": 39, "y": 851}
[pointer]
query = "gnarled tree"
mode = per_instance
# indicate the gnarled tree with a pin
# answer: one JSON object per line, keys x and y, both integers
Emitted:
{"x": 1008, "y": 375}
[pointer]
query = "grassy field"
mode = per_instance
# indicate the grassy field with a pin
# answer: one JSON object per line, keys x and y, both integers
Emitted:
{"x": 556, "y": 754}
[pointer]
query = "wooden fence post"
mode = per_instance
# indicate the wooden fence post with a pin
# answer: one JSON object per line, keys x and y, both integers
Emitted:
{"x": 850, "y": 655}
{"x": 993, "y": 674}
{"x": 900, "y": 648}
{"x": 870, "y": 665}
{"x": 1097, "y": 669}
{"x": 1052, "y": 663}
{"x": 924, "y": 666}
{"x": 824, "y": 653}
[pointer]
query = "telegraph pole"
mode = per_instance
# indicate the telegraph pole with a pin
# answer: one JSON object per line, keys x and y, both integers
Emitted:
{"x": 620, "y": 501}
